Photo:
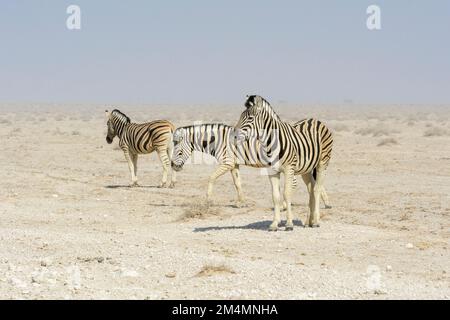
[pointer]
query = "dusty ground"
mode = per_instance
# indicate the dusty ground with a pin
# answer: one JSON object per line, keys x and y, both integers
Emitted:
{"x": 70, "y": 228}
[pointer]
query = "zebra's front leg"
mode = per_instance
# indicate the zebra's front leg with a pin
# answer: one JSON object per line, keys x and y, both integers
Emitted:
{"x": 132, "y": 165}
{"x": 134, "y": 158}
{"x": 221, "y": 170}
{"x": 173, "y": 178}
{"x": 237, "y": 183}
{"x": 164, "y": 158}
{"x": 276, "y": 197}
{"x": 294, "y": 185}
{"x": 288, "y": 181}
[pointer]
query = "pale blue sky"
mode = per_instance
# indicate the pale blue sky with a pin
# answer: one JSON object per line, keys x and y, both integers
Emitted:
{"x": 215, "y": 52}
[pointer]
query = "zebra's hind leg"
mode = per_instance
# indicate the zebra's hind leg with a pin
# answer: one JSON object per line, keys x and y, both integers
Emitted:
{"x": 276, "y": 197}
{"x": 309, "y": 181}
{"x": 163, "y": 156}
{"x": 237, "y": 183}
{"x": 288, "y": 181}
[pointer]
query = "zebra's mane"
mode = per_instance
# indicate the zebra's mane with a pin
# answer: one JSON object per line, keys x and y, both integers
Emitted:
{"x": 121, "y": 116}
{"x": 267, "y": 107}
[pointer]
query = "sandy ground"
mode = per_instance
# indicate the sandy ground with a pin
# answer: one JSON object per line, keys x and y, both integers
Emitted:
{"x": 70, "y": 228}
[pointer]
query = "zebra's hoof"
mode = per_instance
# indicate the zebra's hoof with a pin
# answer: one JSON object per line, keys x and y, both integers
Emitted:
{"x": 328, "y": 206}
{"x": 172, "y": 185}
{"x": 273, "y": 228}
{"x": 134, "y": 185}
{"x": 315, "y": 225}
{"x": 289, "y": 228}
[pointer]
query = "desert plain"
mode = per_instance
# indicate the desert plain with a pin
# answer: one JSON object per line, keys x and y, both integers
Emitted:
{"x": 71, "y": 228}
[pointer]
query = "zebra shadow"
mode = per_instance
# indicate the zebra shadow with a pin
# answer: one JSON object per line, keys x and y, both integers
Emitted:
{"x": 261, "y": 226}
{"x": 127, "y": 186}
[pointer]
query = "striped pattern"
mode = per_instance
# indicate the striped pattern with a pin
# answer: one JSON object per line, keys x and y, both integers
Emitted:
{"x": 143, "y": 138}
{"x": 305, "y": 151}
{"x": 311, "y": 128}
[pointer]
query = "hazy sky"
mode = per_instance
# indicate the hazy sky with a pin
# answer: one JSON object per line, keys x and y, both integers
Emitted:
{"x": 203, "y": 51}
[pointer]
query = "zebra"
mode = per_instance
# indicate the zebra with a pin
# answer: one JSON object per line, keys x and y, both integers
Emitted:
{"x": 306, "y": 152}
{"x": 217, "y": 139}
{"x": 142, "y": 138}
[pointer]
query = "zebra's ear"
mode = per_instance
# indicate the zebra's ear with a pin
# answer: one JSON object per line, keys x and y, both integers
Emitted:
{"x": 107, "y": 114}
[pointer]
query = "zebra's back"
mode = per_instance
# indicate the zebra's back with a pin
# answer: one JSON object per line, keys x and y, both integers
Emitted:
{"x": 141, "y": 138}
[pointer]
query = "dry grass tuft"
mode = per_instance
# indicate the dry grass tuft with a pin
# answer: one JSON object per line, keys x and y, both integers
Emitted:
{"x": 423, "y": 245}
{"x": 211, "y": 270}
{"x": 387, "y": 142}
{"x": 435, "y": 132}
{"x": 198, "y": 211}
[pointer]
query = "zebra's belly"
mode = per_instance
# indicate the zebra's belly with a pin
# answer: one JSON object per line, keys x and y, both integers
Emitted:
{"x": 145, "y": 151}
{"x": 135, "y": 150}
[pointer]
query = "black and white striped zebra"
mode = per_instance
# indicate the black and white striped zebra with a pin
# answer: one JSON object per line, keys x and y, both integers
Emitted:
{"x": 305, "y": 152}
{"x": 214, "y": 139}
{"x": 142, "y": 138}
{"x": 218, "y": 140}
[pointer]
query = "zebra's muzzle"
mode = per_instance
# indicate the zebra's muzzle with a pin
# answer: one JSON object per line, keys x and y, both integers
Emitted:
{"x": 176, "y": 167}
{"x": 109, "y": 140}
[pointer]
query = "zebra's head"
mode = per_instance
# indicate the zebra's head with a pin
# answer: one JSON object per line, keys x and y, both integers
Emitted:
{"x": 250, "y": 121}
{"x": 116, "y": 121}
{"x": 182, "y": 149}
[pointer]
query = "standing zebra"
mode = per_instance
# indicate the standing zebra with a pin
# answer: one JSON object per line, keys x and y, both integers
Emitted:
{"x": 142, "y": 138}
{"x": 218, "y": 141}
{"x": 306, "y": 152}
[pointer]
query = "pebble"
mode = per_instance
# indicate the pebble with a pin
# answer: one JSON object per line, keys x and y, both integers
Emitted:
{"x": 46, "y": 262}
